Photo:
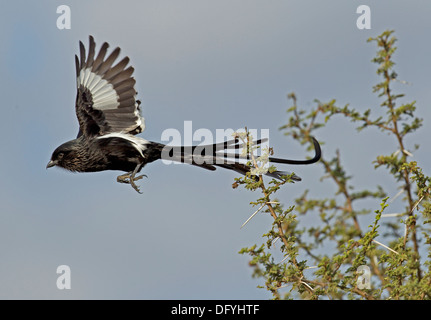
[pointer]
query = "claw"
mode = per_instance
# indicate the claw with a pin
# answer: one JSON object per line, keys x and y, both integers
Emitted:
{"x": 132, "y": 183}
{"x": 140, "y": 177}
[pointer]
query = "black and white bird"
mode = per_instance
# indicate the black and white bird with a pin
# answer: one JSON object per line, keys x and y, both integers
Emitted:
{"x": 109, "y": 118}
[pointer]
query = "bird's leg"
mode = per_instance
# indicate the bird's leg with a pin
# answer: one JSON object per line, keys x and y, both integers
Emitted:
{"x": 133, "y": 179}
{"x": 130, "y": 178}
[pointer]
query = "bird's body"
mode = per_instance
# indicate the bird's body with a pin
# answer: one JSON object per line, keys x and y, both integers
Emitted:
{"x": 110, "y": 152}
{"x": 109, "y": 119}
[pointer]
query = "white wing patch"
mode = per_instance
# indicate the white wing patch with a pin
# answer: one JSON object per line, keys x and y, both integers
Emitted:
{"x": 140, "y": 122}
{"x": 103, "y": 93}
{"x": 139, "y": 143}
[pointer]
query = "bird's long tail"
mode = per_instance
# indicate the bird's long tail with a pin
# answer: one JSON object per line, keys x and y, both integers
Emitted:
{"x": 217, "y": 155}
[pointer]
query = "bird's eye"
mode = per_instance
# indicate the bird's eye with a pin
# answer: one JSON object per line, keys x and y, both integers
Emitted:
{"x": 60, "y": 156}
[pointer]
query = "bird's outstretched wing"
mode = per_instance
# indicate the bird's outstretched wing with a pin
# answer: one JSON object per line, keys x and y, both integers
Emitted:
{"x": 106, "y": 98}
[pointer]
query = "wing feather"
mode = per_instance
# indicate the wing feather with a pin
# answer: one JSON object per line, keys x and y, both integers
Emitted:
{"x": 122, "y": 76}
{"x": 106, "y": 98}
{"x": 100, "y": 56}
{"x": 82, "y": 54}
{"x": 117, "y": 68}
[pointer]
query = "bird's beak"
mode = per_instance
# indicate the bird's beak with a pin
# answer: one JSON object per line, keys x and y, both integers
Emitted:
{"x": 51, "y": 164}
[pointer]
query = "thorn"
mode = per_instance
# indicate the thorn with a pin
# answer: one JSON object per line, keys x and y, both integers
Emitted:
{"x": 416, "y": 204}
{"x": 397, "y": 195}
{"x": 384, "y": 246}
{"x": 260, "y": 208}
{"x": 407, "y": 153}
{"x": 390, "y": 215}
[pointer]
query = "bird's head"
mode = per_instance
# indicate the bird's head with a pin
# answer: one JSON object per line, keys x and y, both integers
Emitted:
{"x": 64, "y": 156}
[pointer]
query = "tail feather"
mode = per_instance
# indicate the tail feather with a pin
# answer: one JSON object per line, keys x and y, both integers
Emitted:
{"x": 215, "y": 155}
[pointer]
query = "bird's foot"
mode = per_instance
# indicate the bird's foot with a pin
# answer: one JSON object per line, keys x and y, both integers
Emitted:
{"x": 130, "y": 178}
{"x": 133, "y": 179}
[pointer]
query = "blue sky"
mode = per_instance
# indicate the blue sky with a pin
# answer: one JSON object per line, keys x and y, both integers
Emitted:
{"x": 221, "y": 64}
